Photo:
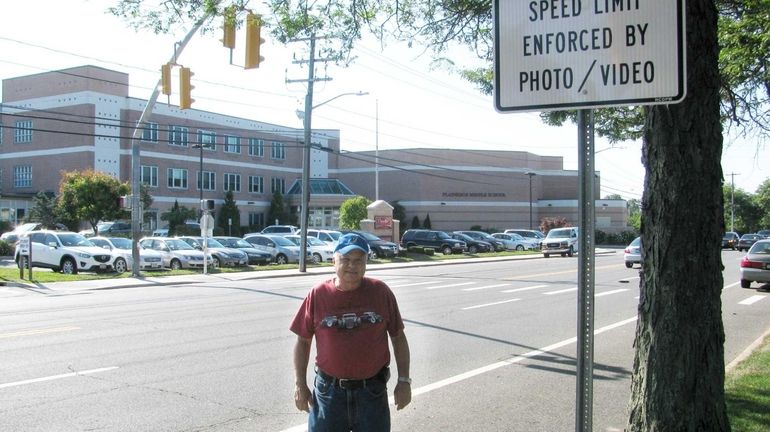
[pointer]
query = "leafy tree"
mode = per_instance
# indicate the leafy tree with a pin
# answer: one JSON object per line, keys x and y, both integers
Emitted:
{"x": 426, "y": 223}
{"x": 177, "y": 216}
{"x": 352, "y": 211}
{"x": 91, "y": 196}
{"x": 634, "y": 214}
{"x": 762, "y": 202}
{"x": 229, "y": 211}
{"x": 277, "y": 211}
{"x": 415, "y": 222}
{"x": 746, "y": 211}
{"x": 44, "y": 209}
{"x": 678, "y": 376}
{"x": 549, "y": 223}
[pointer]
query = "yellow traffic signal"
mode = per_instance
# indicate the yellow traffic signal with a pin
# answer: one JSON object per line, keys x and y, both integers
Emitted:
{"x": 253, "y": 41}
{"x": 228, "y": 28}
{"x": 185, "y": 89}
{"x": 165, "y": 78}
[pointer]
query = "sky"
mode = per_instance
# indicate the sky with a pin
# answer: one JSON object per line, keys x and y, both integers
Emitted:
{"x": 410, "y": 102}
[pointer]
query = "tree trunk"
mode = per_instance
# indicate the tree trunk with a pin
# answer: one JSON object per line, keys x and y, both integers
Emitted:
{"x": 678, "y": 379}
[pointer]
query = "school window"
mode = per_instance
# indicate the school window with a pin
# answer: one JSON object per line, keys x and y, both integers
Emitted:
{"x": 232, "y": 182}
{"x": 209, "y": 180}
{"x": 232, "y": 144}
{"x": 278, "y": 151}
{"x": 278, "y": 184}
{"x": 150, "y": 175}
{"x": 256, "y": 147}
{"x": 177, "y": 178}
{"x": 22, "y": 176}
{"x": 256, "y": 219}
{"x": 256, "y": 184}
{"x": 207, "y": 139}
{"x": 23, "y": 132}
{"x": 177, "y": 136}
{"x": 150, "y": 132}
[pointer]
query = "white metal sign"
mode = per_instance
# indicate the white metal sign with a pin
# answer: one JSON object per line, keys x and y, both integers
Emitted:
{"x": 573, "y": 54}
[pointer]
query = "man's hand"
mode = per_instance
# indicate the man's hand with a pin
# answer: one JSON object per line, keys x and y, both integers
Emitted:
{"x": 303, "y": 399}
{"x": 402, "y": 395}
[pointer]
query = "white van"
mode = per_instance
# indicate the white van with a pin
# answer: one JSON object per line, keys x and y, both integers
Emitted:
{"x": 562, "y": 241}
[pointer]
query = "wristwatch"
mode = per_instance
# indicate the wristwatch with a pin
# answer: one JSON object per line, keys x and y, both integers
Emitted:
{"x": 405, "y": 380}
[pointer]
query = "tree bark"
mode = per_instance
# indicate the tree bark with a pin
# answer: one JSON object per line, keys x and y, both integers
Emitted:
{"x": 678, "y": 378}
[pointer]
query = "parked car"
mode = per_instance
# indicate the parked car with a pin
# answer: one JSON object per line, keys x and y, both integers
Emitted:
{"x": 65, "y": 251}
{"x": 438, "y": 240}
{"x": 481, "y": 235}
{"x": 328, "y": 236}
{"x": 280, "y": 230}
{"x": 562, "y": 241}
{"x": 223, "y": 255}
{"x": 747, "y": 240}
{"x": 378, "y": 248}
{"x": 176, "y": 253}
{"x": 730, "y": 240}
{"x": 282, "y": 250}
{"x": 110, "y": 229}
{"x": 632, "y": 254}
{"x": 320, "y": 250}
{"x": 530, "y": 234}
{"x": 124, "y": 260}
{"x": 755, "y": 266}
{"x": 12, "y": 236}
{"x": 474, "y": 246}
{"x": 765, "y": 233}
{"x": 255, "y": 255}
{"x": 513, "y": 241}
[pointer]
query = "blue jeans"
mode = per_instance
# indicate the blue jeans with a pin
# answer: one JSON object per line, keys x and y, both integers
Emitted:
{"x": 363, "y": 409}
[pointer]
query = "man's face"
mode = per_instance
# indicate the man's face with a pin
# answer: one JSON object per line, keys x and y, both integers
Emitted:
{"x": 350, "y": 268}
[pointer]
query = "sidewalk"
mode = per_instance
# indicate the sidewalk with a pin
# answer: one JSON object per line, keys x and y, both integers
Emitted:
{"x": 149, "y": 280}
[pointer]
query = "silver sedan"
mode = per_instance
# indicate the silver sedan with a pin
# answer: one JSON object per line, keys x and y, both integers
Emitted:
{"x": 755, "y": 266}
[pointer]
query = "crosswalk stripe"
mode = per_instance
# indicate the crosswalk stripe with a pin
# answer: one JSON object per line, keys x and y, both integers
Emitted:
{"x": 524, "y": 289}
{"x": 449, "y": 286}
{"x": 485, "y": 287}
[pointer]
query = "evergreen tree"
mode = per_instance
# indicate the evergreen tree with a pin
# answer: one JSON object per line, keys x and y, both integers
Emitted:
{"x": 229, "y": 213}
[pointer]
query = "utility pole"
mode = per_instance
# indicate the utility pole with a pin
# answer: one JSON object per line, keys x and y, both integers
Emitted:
{"x": 311, "y": 79}
{"x": 732, "y": 201}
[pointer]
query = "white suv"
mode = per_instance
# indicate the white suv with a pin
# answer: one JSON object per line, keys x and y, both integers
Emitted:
{"x": 562, "y": 241}
{"x": 66, "y": 251}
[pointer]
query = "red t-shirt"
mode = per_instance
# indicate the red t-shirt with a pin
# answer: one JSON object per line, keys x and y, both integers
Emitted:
{"x": 350, "y": 327}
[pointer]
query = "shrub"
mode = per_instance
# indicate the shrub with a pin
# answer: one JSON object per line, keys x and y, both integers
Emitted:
{"x": 6, "y": 249}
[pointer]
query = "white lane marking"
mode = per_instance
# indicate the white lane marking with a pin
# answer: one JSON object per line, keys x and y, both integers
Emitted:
{"x": 610, "y": 292}
{"x": 450, "y": 286}
{"x": 415, "y": 284}
{"x": 490, "y": 304}
{"x": 523, "y": 289}
{"x": 478, "y": 371}
{"x": 55, "y": 377}
{"x": 560, "y": 291}
{"x": 751, "y": 300}
{"x": 486, "y": 287}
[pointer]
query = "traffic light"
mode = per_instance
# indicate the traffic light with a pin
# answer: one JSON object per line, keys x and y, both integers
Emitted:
{"x": 228, "y": 28}
{"x": 165, "y": 78}
{"x": 185, "y": 101}
{"x": 253, "y": 41}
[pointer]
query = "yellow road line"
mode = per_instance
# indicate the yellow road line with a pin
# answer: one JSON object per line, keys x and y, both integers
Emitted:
{"x": 41, "y": 331}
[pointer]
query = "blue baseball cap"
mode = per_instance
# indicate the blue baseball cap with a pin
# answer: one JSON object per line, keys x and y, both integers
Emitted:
{"x": 349, "y": 242}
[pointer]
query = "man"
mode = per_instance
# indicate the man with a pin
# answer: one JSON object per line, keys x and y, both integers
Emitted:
{"x": 351, "y": 317}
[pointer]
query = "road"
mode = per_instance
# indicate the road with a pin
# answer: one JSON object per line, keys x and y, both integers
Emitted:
{"x": 492, "y": 349}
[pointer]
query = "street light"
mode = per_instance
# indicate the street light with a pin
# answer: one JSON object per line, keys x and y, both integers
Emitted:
{"x": 306, "y": 117}
{"x": 530, "y": 174}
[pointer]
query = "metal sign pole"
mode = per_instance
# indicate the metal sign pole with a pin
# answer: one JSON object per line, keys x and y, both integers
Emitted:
{"x": 586, "y": 267}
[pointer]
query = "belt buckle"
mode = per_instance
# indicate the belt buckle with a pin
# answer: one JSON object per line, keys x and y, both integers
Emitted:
{"x": 344, "y": 383}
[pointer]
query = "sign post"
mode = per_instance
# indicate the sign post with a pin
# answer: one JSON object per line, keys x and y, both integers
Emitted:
{"x": 574, "y": 54}
{"x": 25, "y": 256}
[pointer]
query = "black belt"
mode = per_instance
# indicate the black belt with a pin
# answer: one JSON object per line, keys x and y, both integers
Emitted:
{"x": 351, "y": 384}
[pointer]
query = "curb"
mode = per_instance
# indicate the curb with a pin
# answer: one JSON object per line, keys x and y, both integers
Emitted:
{"x": 747, "y": 352}
{"x": 106, "y": 284}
